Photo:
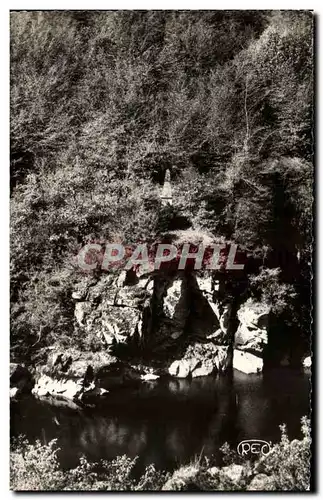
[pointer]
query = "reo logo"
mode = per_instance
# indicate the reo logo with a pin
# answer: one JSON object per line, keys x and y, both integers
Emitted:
{"x": 253, "y": 447}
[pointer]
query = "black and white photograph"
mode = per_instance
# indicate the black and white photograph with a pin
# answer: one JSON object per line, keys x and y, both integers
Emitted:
{"x": 161, "y": 250}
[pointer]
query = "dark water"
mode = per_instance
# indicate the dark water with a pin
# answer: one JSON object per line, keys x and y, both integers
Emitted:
{"x": 169, "y": 422}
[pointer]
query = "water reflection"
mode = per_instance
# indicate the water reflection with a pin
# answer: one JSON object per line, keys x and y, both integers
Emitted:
{"x": 169, "y": 422}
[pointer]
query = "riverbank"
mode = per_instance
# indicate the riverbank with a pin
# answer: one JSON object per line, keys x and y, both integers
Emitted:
{"x": 169, "y": 421}
{"x": 285, "y": 468}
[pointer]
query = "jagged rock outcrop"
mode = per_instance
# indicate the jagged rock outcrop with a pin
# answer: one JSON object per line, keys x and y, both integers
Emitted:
{"x": 251, "y": 337}
{"x": 173, "y": 306}
{"x": 200, "y": 360}
{"x": 111, "y": 309}
{"x": 84, "y": 377}
{"x": 178, "y": 317}
{"x": 213, "y": 310}
{"x": 157, "y": 308}
{"x": 184, "y": 323}
{"x": 64, "y": 388}
{"x": 252, "y": 333}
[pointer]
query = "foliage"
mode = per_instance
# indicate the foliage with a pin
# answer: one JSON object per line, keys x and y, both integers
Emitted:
{"x": 289, "y": 462}
{"x": 288, "y": 465}
{"x": 102, "y": 103}
{"x": 35, "y": 467}
{"x": 267, "y": 287}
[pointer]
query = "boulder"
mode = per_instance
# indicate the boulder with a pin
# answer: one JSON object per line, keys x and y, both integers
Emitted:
{"x": 179, "y": 368}
{"x": 246, "y": 362}
{"x": 65, "y": 388}
{"x": 77, "y": 376}
{"x": 71, "y": 389}
{"x": 252, "y": 333}
{"x": 254, "y": 313}
{"x": 103, "y": 289}
{"x": 307, "y": 363}
{"x": 93, "y": 393}
{"x": 76, "y": 365}
{"x": 78, "y": 295}
{"x": 251, "y": 339}
{"x": 207, "y": 358}
{"x": 70, "y": 364}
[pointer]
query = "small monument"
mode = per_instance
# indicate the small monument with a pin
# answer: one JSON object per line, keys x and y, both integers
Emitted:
{"x": 166, "y": 193}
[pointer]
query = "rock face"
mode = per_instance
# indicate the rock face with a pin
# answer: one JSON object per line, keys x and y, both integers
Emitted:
{"x": 175, "y": 319}
{"x": 174, "y": 307}
{"x": 200, "y": 360}
{"x": 111, "y": 309}
{"x": 153, "y": 310}
{"x": 21, "y": 380}
{"x": 185, "y": 323}
{"x": 212, "y": 318}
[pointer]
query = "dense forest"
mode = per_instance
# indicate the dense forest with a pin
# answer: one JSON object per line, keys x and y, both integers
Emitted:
{"x": 103, "y": 103}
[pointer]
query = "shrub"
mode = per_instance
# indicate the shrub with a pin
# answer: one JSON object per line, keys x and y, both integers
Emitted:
{"x": 289, "y": 462}
{"x": 35, "y": 467}
{"x": 268, "y": 287}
